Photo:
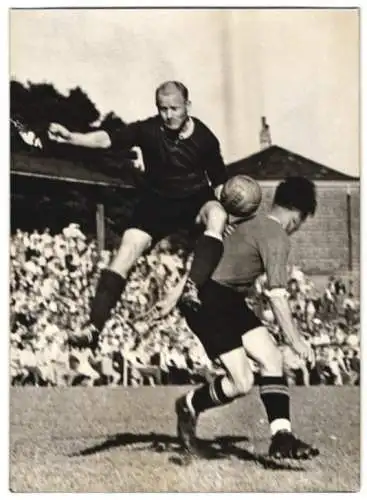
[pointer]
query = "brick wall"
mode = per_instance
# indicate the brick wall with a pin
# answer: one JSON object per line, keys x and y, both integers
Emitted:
{"x": 321, "y": 245}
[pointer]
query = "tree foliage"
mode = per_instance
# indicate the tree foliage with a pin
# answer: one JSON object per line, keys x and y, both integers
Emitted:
{"x": 42, "y": 203}
{"x": 35, "y": 105}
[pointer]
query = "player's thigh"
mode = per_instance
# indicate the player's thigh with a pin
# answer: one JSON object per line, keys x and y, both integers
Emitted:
{"x": 221, "y": 320}
{"x": 212, "y": 215}
{"x": 261, "y": 347}
{"x": 238, "y": 371}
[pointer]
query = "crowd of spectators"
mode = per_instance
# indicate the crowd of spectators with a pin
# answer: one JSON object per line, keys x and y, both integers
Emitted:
{"x": 53, "y": 278}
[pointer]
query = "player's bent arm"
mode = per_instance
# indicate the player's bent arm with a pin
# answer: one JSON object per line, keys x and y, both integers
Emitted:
{"x": 215, "y": 167}
{"x": 278, "y": 298}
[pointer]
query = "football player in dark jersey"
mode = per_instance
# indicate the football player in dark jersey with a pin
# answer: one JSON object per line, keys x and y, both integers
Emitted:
{"x": 184, "y": 174}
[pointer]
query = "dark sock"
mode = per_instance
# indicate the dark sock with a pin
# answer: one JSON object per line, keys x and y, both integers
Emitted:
{"x": 210, "y": 395}
{"x": 274, "y": 394}
{"x": 207, "y": 255}
{"x": 109, "y": 290}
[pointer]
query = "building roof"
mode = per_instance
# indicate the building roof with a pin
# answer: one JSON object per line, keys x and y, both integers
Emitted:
{"x": 105, "y": 172}
{"x": 275, "y": 163}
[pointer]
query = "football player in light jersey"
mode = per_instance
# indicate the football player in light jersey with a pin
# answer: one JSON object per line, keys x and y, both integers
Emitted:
{"x": 231, "y": 332}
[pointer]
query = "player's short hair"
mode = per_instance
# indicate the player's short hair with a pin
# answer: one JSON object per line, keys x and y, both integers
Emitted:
{"x": 297, "y": 193}
{"x": 169, "y": 86}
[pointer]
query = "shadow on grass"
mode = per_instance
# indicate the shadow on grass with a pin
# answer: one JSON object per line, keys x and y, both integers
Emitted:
{"x": 222, "y": 447}
{"x": 229, "y": 449}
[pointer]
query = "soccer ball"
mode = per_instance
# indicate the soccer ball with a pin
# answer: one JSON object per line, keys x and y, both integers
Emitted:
{"x": 241, "y": 196}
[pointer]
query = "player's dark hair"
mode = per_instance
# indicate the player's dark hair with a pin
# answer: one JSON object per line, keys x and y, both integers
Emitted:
{"x": 166, "y": 86}
{"x": 297, "y": 193}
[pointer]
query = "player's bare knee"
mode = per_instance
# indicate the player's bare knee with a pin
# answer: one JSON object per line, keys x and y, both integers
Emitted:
{"x": 135, "y": 242}
{"x": 242, "y": 383}
{"x": 216, "y": 217}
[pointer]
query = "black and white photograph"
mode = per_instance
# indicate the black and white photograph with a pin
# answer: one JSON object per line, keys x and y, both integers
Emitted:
{"x": 184, "y": 249}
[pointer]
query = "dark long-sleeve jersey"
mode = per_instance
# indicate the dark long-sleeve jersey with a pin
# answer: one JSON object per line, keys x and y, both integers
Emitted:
{"x": 174, "y": 167}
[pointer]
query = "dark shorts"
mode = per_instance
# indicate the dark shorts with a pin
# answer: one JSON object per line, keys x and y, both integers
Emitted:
{"x": 222, "y": 320}
{"x": 160, "y": 216}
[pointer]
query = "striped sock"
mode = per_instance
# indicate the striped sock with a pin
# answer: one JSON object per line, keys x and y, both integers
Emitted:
{"x": 208, "y": 396}
{"x": 274, "y": 394}
{"x": 207, "y": 254}
{"x": 109, "y": 290}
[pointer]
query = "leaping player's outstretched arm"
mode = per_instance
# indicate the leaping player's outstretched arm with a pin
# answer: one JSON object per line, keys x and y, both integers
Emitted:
{"x": 96, "y": 139}
{"x": 58, "y": 133}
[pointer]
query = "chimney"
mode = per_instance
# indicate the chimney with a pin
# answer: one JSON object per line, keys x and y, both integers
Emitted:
{"x": 265, "y": 137}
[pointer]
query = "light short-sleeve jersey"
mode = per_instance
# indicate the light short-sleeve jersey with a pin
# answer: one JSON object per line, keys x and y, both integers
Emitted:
{"x": 259, "y": 245}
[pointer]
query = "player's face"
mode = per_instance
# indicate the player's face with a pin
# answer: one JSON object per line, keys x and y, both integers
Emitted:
{"x": 173, "y": 110}
{"x": 295, "y": 222}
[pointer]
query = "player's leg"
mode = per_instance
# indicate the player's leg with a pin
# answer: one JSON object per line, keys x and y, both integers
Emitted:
{"x": 274, "y": 394}
{"x": 112, "y": 282}
{"x": 208, "y": 250}
{"x": 305, "y": 374}
{"x": 148, "y": 225}
{"x": 237, "y": 381}
{"x": 135, "y": 241}
{"x": 111, "y": 285}
{"x": 219, "y": 324}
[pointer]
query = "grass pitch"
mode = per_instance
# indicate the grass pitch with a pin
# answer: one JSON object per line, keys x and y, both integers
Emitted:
{"x": 105, "y": 439}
